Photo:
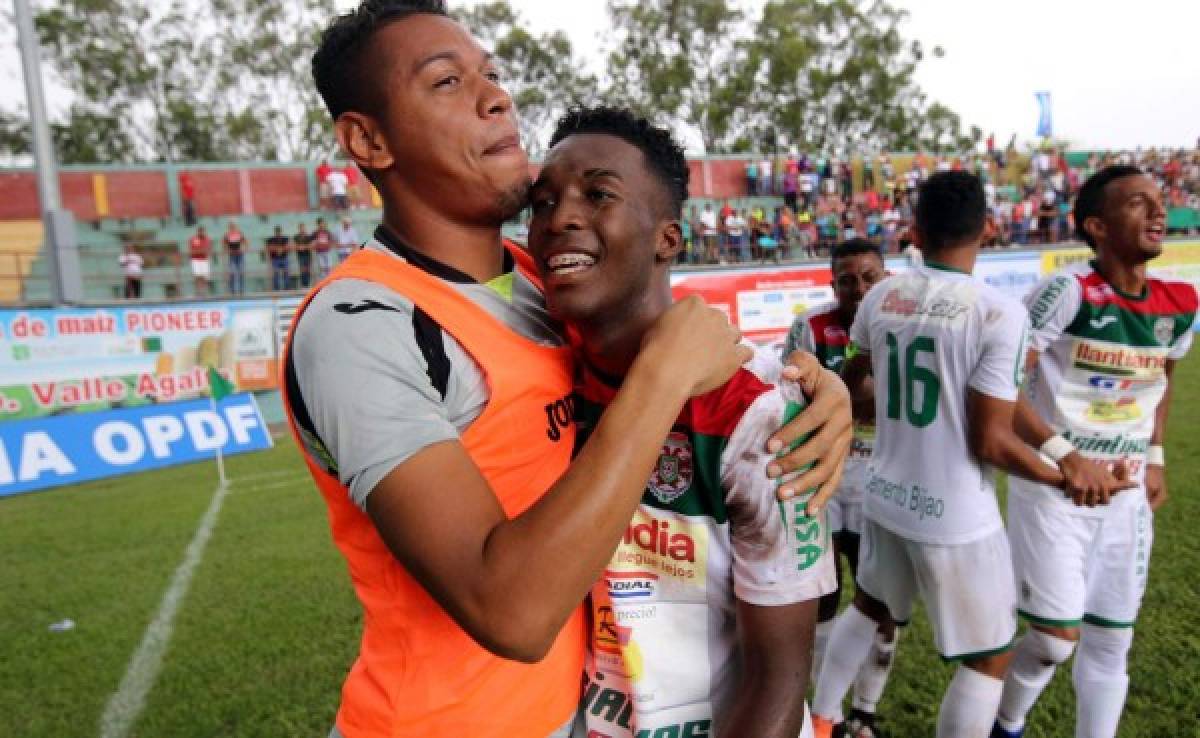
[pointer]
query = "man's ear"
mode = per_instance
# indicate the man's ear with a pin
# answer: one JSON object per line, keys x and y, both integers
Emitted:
{"x": 1095, "y": 227}
{"x": 363, "y": 141}
{"x": 669, "y": 241}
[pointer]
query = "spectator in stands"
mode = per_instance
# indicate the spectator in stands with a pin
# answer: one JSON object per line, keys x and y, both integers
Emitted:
{"x": 708, "y": 225}
{"x": 791, "y": 186}
{"x": 846, "y": 177}
{"x": 735, "y": 228}
{"x": 302, "y": 245}
{"x": 347, "y": 240}
{"x": 353, "y": 188}
{"x": 766, "y": 183}
{"x": 277, "y": 252}
{"x": 199, "y": 249}
{"x": 131, "y": 266}
{"x": 338, "y": 186}
{"x": 323, "y": 171}
{"x": 810, "y": 184}
{"x": 1047, "y": 217}
{"x": 322, "y": 241}
{"x": 187, "y": 193}
{"x": 235, "y": 252}
{"x": 751, "y": 178}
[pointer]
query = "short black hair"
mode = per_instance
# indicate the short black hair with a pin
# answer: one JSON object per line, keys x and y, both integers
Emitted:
{"x": 1090, "y": 201}
{"x": 853, "y": 247}
{"x": 951, "y": 209}
{"x": 341, "y": 78}
{"x": 665, "y": 156}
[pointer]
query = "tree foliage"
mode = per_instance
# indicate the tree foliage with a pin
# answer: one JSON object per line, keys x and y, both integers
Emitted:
{"x": 178, "y": 80}
{"x": 832, "y": 75}
{"x": 185, "y": 79}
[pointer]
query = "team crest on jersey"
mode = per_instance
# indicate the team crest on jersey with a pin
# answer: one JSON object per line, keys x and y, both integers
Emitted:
{"x": 672, "y": 475}
{"x": 1164, "y": 330}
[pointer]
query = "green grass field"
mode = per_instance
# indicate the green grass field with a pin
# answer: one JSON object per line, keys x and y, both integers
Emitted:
{"x": 270, "y": 625}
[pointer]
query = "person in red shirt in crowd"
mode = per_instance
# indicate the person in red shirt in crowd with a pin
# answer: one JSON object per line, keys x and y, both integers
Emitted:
{"x": 199, "y": 247}
{"x": 725, "y": 240}
{"x": 187, "y": 192}
{"x": 322, "y": 245}
{"x": 235, "y": 252}
{"x": 353, "y": 193}
{"x": 323, "y": 172}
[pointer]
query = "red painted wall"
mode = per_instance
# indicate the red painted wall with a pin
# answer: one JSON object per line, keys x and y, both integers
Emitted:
{"x": 18, "y": 196}
{"x": 144, "y": 193}
{"x": 217, "y": 192}
{"x": 138, "y": 195}
{"x": 77, "y": 195}
{"x": 279, "y": 190}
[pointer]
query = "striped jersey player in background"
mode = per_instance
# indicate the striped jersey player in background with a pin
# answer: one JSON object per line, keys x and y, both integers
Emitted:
{"x": 703, "y": 622}
{"x": 1104, "y": 344}
{"x": 856, "y": 266}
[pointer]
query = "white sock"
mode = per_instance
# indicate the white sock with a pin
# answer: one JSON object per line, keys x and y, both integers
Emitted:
{"x": 820, "y": 641}
{"x": 969, "y": 706}
{"x": 873, "y": 676}
{"x": 849, "y": 642}
{"x": 1100, "y": 680}
{"x": 1035, "y": 658}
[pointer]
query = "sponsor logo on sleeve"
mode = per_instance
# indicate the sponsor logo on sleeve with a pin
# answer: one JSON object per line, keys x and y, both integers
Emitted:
{"x": 1043, "y": 306}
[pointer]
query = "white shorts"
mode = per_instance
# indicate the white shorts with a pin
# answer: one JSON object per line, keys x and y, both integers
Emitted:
{"x": 845, "y": 515}
{"x": 967, "y": 588}
{"x": 1073, "y": 568}
{"x": 201, "y": 268}
{"x": 846, "y": 505}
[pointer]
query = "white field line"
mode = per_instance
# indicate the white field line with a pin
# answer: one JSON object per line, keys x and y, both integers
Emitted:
{"x": 130, "y": 698}
{"x": 273, "y": 475}
{"x": 274, "y": 485}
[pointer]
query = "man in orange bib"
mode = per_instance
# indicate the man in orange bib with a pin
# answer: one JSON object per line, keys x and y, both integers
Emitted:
{"x": 431, "y": 394}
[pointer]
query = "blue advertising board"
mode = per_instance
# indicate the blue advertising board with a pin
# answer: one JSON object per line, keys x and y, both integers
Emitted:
{"x": 40, "y": 453}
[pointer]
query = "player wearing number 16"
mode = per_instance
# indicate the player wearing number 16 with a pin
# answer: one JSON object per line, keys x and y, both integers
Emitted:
{"x": 947, "y": 352}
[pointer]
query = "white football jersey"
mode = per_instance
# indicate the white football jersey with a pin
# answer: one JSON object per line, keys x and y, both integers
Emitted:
{"x": 933, "y": 334}
{"x": 1101, "y": 370}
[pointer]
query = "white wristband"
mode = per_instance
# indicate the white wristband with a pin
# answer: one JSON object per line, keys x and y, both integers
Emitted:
{"x": 1155, "y": 456}
{"x": 1057, "y": 448}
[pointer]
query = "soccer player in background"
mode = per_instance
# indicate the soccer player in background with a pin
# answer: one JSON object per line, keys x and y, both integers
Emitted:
{"x": 947, "y": 353}
{"x": 1104, "y": 344}
{"x": 702, "y": 622}
{"x": 824, "y": 331}
{"x": 431, "y": 395}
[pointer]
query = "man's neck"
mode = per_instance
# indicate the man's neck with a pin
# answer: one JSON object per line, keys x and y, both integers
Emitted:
{"x": 1129, "y": 278}
{"x": 958, "y": 258}
{"x": 474, "y": 250}
{"x": 611, "y": 344}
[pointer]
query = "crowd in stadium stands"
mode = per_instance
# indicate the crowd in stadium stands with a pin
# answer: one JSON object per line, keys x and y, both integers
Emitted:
{"x": 801, "y": 206}
{"x": 312, "y": 252}
{"x": 823, "y": 204}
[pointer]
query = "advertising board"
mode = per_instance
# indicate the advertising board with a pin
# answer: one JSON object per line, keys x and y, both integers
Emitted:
{"x": 39, "y": 453}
